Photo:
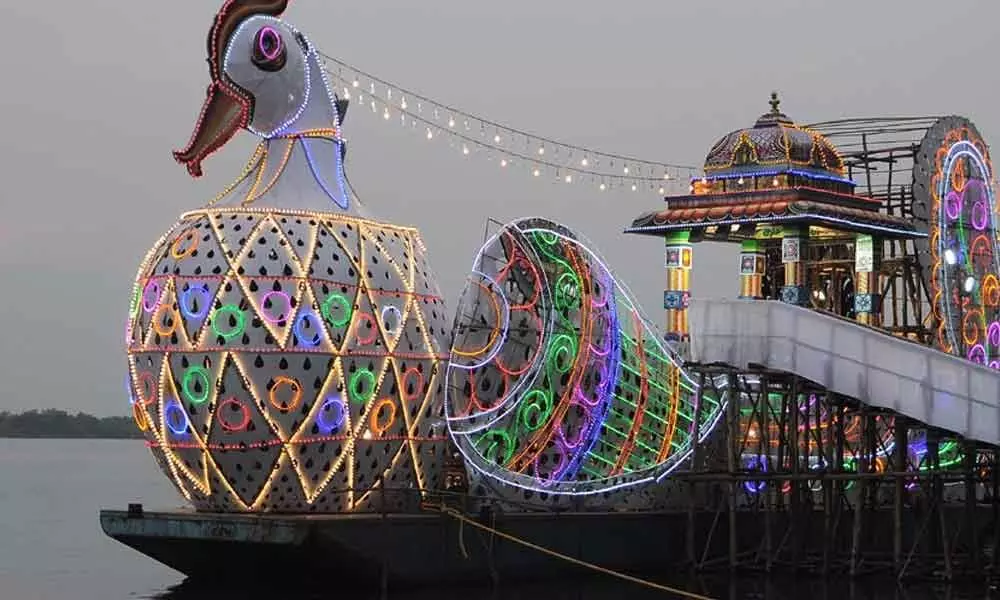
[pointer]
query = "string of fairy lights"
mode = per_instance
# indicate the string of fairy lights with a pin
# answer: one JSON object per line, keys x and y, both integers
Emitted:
{"x": 512, "y": 149}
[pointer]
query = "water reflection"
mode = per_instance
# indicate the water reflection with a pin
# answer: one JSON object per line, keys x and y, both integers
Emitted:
{"x": 742, "y": 588}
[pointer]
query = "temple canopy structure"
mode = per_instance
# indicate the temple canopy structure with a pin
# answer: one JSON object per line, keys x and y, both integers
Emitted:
{"x": 780, "y": 191}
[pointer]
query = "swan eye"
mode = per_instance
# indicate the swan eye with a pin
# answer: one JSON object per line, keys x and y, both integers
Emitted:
{"x": 269, "y": 52}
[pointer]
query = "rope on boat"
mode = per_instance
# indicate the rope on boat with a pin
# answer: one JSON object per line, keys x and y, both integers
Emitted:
{"x": 462, "y": 519}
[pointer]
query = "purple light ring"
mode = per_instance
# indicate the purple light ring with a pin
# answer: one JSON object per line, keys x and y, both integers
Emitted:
{"x": 270, "y": 318}
{"x": 148, "y": 306}
{"x": 953, "y": 205}
{"x": 264, "y": 32}
{"x": 993, "y": 333}
{"x": 977, "y": 354}
{"x": 980, "y": 215}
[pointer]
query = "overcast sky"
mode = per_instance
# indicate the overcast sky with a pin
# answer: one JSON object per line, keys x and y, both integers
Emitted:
{"x": 96, "y": 94}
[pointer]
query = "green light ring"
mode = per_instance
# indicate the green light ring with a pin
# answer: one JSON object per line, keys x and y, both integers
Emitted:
{"x": 189, "y": 375}
{"x": 495, "y": 437}
{"x": 238, "y": 329}
{"x": 326, "y": 306}
{"x": 529, "y": 408}
{"x": 563, "y": 299}
{"x": 562, "y": 344}
{"x": 356, "y": 397}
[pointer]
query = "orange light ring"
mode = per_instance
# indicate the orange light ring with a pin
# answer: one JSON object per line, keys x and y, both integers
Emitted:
{"x": 178, "y": 251}
{"x": 374, "y": 423}
{"x": 296, "y": 393}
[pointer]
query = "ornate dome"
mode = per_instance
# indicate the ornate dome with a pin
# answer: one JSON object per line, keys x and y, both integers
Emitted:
{"x": 774, "y": 144}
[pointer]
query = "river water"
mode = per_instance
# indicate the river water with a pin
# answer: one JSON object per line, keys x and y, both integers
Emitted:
{"x": 52, "y": 547}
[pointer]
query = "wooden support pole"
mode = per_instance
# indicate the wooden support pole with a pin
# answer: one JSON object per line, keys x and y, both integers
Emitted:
{"x": 859, "y": 504}
{"x": 971, "y": 533}
{"x": 695, "y": 466}
{"x": 900, "y": 449}
{"x": 732, "y": 447}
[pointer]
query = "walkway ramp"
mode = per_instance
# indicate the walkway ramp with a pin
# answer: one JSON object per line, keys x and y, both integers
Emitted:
{"x": 866, "y": 364}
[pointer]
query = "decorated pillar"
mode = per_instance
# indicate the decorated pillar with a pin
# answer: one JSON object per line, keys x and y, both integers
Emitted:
{"x": 793, "y": 246}
{"x": 677, "y": 295}
{"x": 751, "y": 269}
{"x": 866, "y": 284}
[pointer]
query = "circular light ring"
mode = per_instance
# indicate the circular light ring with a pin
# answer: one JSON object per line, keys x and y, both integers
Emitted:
{"x": 495, "y": 438}
{"x": 418, "y": 387}
{"x": 151, "y": 295}
{"x": 375, "y": 424}
{"x": 175, "y": 418}
{"x": 230, "y": 426}
{"x": 533, "y": 355}
{"x": 390, "y": 311}
{"x": 372, "y": 336}
{"x": 534, "y": 414}
{"x": 497, "y": 337}
{"x": 977, "y": 354}
{"x": 186, "y": 301}
{"x": 159, "y": 317}
{"x": 267, "y": 313}
{"x": 230, "y": 310}
{"x": 474, "y": 403}
{"x": 327, "y": 312}
{"x": 553, "y": 477}
{"x": 187, "y": 384}
{"x": 147, "y": 388}
{"x": 140, "y": 418}
{"x": 184, "y": 244}
{"x": 355, "y": 384}
{"x": 296, "y": 387}
{"x": 498, "y": 325}
{"x": 269, "y": 51}
{"x": 300, "y": 336}
{"x": 330, "y": 425}
{"x": 567, "y": 291}
{"x": 561, "y": 354}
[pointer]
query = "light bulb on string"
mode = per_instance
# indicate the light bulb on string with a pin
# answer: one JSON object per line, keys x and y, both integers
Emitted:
{"x": 583, "y": 162}
{"x": 503, "y": 162}
{"x": 388, "y": 94}
{"x": 385, "y": 113}
{"x": 355, "y": 83}
{"x": 625, "y": 170}
{"x": 634, "y": 187}
{"x": 430, "y": 134}
{"x": 666, "y": 176}
{"x": 465, "y": 149}
{"x": 541, "y": 150}
{"x": 569, "y": 179}
{"x": 371, "y": 89}
{"x": 740, "y": 181}
{"x": 496, "y": 139}
{"x": 451, "y": 122}
{"x": 402, "y": 103}
{"x": 602, "y": 187}
{"x": 374, "y": 108}
{"x": 536, "y": 172}
{"x": 661, "y": 190}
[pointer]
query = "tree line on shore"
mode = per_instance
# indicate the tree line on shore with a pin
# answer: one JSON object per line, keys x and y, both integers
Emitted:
{"x": 54, "y": 423}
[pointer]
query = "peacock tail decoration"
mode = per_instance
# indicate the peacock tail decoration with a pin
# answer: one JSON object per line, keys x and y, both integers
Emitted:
{"x": 557, "y": 384}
